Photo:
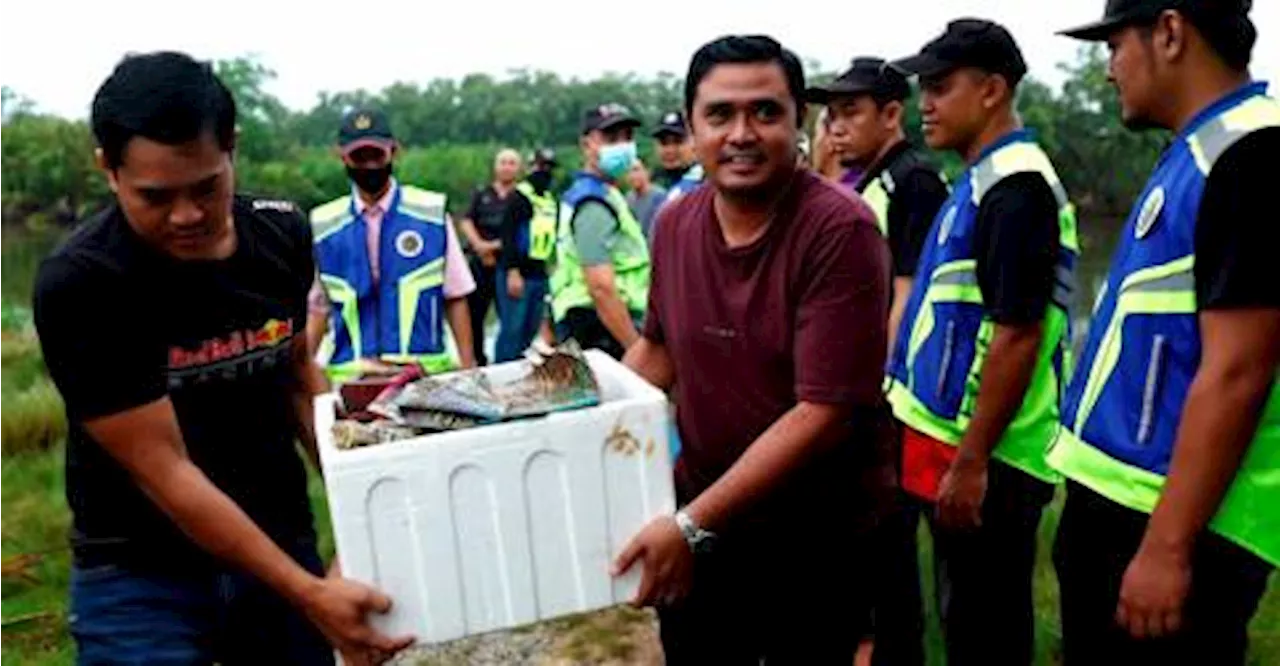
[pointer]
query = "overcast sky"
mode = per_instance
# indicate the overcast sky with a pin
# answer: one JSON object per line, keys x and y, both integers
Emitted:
{"x": 57, "y": 51}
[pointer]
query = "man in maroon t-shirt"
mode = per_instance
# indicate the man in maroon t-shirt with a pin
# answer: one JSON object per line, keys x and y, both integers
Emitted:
{"x": 768, "y": 302}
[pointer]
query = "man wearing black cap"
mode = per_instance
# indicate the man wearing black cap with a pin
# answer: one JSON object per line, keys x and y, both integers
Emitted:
{"x": 379, "y": 246}
{"x": 600, "y": 284}
{"x": 977, "y": 361}
{"x": 528, "y": 242}
{"x": 1171, "y": 425}
{"x": 864, "y": 125}
{"x": 675, "y": 150}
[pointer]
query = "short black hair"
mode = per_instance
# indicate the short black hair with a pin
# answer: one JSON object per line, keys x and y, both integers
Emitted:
{"x": 165, "y": 96}
{"x": 1230, "y": 34}
{"x": 744, "y": 49}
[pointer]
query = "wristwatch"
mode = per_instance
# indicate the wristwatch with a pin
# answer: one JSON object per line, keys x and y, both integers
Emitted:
{"x": 699, "y": 540}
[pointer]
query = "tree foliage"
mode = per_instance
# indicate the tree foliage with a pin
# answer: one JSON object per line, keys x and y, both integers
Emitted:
{"x": 450, "y": 129}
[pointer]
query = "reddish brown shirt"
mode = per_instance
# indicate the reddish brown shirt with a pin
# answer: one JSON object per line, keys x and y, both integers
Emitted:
{"x": 798, "y": 315}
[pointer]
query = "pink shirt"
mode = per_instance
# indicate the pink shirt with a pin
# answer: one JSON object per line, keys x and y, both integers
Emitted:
{"x": 458, "y": 281}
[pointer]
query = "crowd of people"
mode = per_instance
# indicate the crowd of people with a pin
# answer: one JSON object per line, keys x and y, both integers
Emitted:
{"x": 851, "y": 342}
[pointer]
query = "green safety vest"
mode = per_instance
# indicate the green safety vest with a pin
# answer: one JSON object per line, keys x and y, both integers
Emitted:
{"x": 936, "y": 365}
{"x": 542, "y": 228}
{"x": 1122, "y": 409}
{"x": 628, "y": 251}
{"x": 877, "y": 195}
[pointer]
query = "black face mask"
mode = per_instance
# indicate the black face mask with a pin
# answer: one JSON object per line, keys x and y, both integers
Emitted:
{"x": 370, "y": 181}
{"x": 540, "y": 180}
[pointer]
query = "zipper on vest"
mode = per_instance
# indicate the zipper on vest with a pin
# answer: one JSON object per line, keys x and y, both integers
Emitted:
{"x": 948, "y": 347}
{"x": 1149, "y": 389}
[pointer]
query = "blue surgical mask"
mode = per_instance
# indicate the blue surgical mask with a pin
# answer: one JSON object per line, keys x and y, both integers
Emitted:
{"x": 616, "y": 159}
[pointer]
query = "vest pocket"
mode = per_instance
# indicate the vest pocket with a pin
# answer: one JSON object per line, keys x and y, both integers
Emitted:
{"x": 941, "y": 366}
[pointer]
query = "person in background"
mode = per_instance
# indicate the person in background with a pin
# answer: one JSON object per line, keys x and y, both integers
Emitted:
{"x": 171, "y": 324}
{"x": 675, "y": 150}
{"x": 1170, "y": 437}
{"x": 600, "y": 282}
{"x": 482, "y": 227}
{"x": 382, "y": 245}
{"x": 644, "y": 198}
{"x": 779, "y": 400}
{"x": 902, "y": 186}
{"x": 978, "y": 360}
{"x": 528, "y": 242}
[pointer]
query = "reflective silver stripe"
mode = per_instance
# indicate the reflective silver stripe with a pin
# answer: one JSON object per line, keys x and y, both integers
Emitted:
{"x": 961, "y": 277}
{"x": 948, "y": 347}
{"x": 1181, "y": 281}
{"x": 984, "y": 177}
{"x": 428, "y": 213}
{"x": 1064, "y": 286}
{"x": 322, "y": 228}
{"x": 1215, "y": 138}
{"x": 1149, "y": 389}
{"x": 1059, "y": 192}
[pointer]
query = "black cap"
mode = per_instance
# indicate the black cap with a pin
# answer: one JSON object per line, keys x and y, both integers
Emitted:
{"x": 365, "y": 127}
{"x": 672, "y": 122}
{"x": 1120, "y": 13}
{"x": 969, "y": 42}
{"x": 544, "y": 157}
{"x": 866, "y": 76}
{"x": 608, "y": 116}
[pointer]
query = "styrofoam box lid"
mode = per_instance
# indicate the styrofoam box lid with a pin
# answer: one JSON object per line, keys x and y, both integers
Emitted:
{"x": 501, "y": 525}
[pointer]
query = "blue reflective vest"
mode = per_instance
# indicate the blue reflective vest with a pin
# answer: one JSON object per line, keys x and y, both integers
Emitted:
{"x": 936, "y": 365}
{"x": 687, "y": 183}
{"x": 1122, "y": 408}
{"x": 400, "y": 317}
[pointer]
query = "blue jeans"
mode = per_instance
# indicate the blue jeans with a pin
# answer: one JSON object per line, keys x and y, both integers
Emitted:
{"x": 127, "y": 615}
{"x": 518, "y": 318}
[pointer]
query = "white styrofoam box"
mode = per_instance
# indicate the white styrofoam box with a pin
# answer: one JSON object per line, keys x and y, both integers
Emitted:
{"x": 502, "y": 525}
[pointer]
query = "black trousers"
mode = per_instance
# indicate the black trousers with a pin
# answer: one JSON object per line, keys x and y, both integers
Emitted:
{"x": 983, "y": 578}
{"x": 1096, "y": 540}
{"x": 585, "y": 326}
{"x": 479, "y": 302}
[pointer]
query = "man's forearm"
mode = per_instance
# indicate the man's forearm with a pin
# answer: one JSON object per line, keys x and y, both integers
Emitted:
{"x": 901, "y": 292}
{"x": 220, "y": 527}
{"x": 651, "y": 361}
{"x": 1218, "y": 422}
{"x": 1006, "y": 374}
{"x": 459, "y": 318}
{"x": 804, "y": 430}
{"x": 614, "y": 315}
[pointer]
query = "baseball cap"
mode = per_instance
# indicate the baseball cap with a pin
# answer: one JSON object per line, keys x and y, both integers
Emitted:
{"x": 969, "y": 42}
{"x": 870, "y": 76}
{"x": 365, "y": 127}
{"x": 672, "y": 122}
{"x": 607, "y": 117}
{"x": 1120, "y": 13}
{"x": 545, "y": 156}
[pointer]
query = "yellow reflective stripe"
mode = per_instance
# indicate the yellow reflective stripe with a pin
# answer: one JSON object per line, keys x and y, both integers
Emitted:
{"x": 878, "y": 199}
{"x": 1164, "y": 289}
{"x": 1116, "y": 480}
{"x": 1209, "y": 142}
{"x": 409, "y": 289}
{"x": 432, "y": 363}
{"x": 954, "y": 282}
{"x": 343, "y": 295}
{"x": 422, "y": 204}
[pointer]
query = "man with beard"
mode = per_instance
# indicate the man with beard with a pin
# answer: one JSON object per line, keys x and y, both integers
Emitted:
{"x": 384, "y": 245}
{"x": 1170, "y": 437}
{"x": 767, "y": 310}
{"x": 864, "y": 108}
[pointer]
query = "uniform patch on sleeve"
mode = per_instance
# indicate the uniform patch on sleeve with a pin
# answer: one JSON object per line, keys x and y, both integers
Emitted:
{"x": 274, "y": 204}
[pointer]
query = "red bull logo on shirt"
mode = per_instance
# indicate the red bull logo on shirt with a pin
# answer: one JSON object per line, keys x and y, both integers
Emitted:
{"x": 236, "y": 344}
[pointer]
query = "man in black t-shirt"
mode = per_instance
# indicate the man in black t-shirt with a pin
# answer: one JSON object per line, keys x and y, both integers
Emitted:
{"x": 172, "y": 324}
{"x": 482, "y": 227}
{"x": 528, "y": 241}
{"x": 864, "y": 127}
{"x": 1171, "y": 525}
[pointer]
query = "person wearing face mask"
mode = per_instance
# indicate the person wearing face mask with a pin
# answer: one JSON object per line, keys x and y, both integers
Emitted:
{"x": 383, "y": 245}
{"x": 528, "y": 241}
{"x": 601, "y": 278}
